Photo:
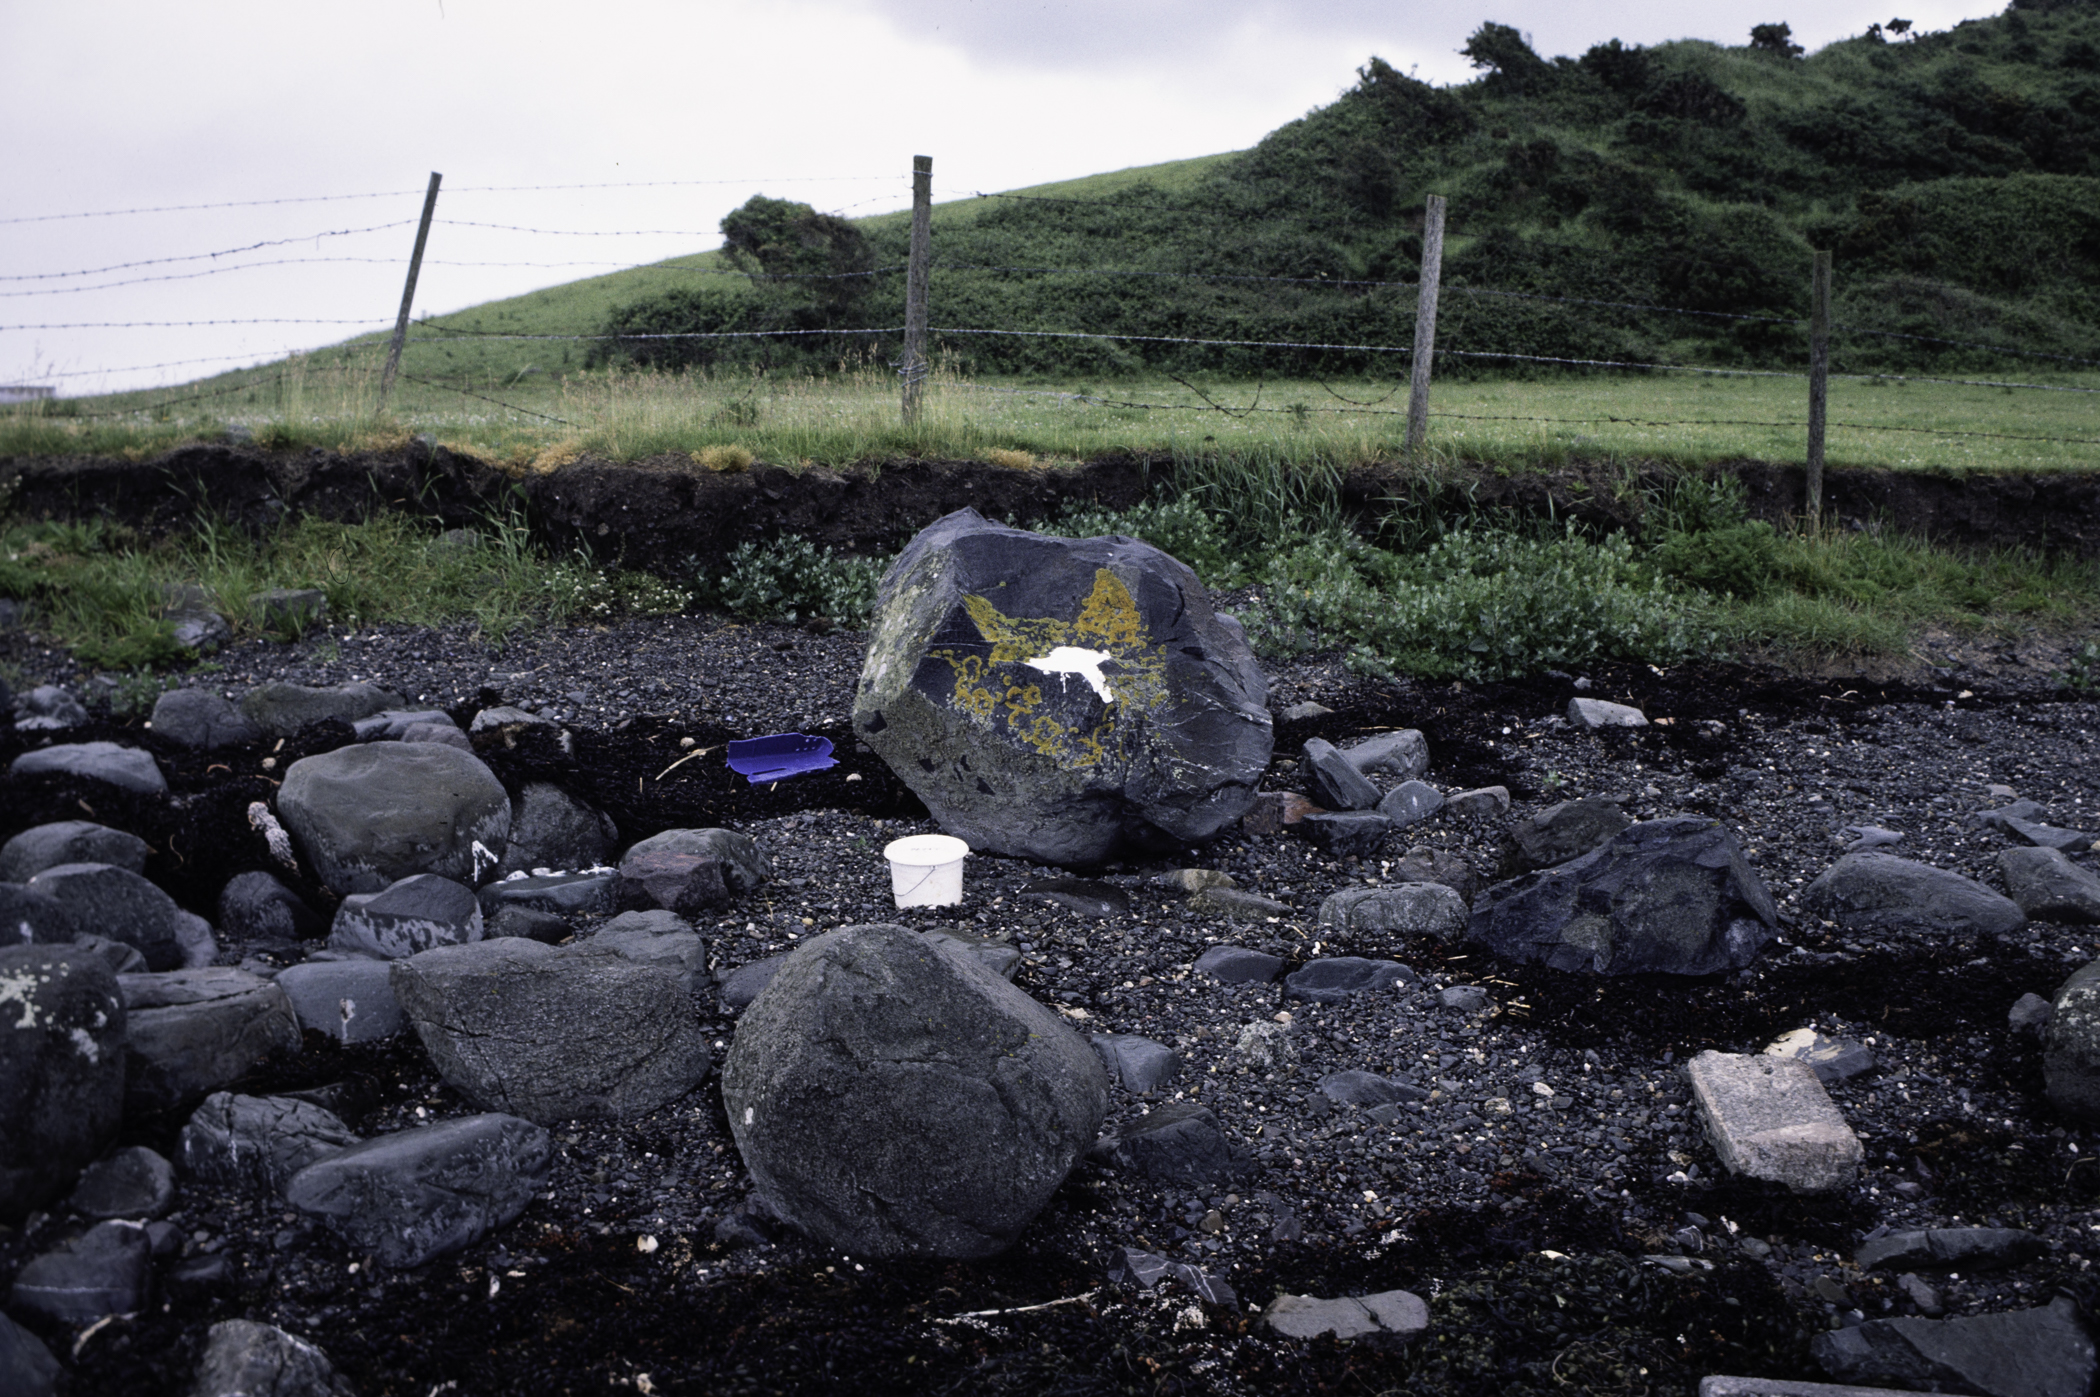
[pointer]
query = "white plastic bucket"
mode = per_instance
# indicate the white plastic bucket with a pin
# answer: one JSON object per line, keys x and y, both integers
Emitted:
{"x": 926, "y": 869}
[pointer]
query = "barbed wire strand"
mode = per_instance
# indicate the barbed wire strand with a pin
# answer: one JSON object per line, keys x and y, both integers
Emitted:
{"x": 467, "y": 393}
{"x": 206, "y": 256}
{"x": 180, "y": 324}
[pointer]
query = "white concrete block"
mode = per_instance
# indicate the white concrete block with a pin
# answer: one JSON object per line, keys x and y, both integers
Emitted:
{"x": 1769, "y": 1118}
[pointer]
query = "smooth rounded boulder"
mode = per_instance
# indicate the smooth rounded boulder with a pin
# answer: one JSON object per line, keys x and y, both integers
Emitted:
{"x": 1876, "y": 892}
{"x": 194, "y": 1031}
{"x": 1672, "y": 895}
{"x": 119, "y": 904}
{"x": 62, "y": 1029}
{"x": 368, "y": 816}
{"x": 892, "y": 1096}
{"x": 1063, "y": 700}
{"x": 69, "y": 841}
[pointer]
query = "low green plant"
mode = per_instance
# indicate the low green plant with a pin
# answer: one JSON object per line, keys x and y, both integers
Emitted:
{"x": 2082, "y": 668}
{"x": 791, "y": 579}
{"x": 1182, "y": 527}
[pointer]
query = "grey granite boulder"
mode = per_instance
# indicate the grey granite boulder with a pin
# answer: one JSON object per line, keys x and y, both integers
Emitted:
{"x": 1591, "y": 714}
{"x": 1672, "y": 895}
{"x": 367, "y": 816}
{"x": 1876, "y": 892}
{"x": 1406, "y": 909}
{"x": 202, "y": 721}
{"x": 1402, "y": 754}
{"x": 418, "y": 913}
{"x": 126, "y": 768}
{"x": 1333, "y": 781}
{"x": 119, "y": 904}
{"x": 194, "y": 1031}
{"x": 243, "y": 1358}
{"x": 550, "y": 1032}
{"x": 417, "y": 1194}
{"x": 562, "y": 894}
{"x": 1065, "y": 700}
{"x": 744, "y": 865}
{"x": 69, "y": 841}
{"x": 133, "y": 1182}
{"x": 107, "y": 1271}
{"x": 680, "y": 951}
{"x": 256, "y": 1143}
{"x": 689, "y": 870}
{"x": 62, "y": 1031}
{"x": 280, "y": 710}
{"x": 1410, "y": 803}
{"x": 1567, "y": 830}
{"x": 1424, "y": 864}
{"x": 2071, "y": 1044}
{"x": 28, "y": 917}
{"x": 2044, "y": 1352}
{"x": 257, "y": 906}
{"x": 551, "y": 829}
{"x": 1180, "y": 1143}
{"x": 351, "y": 1000}
{"x": 1335, "y": 979}
{"x": 892, "y": 1096}
{"x": 2049, "y": 887}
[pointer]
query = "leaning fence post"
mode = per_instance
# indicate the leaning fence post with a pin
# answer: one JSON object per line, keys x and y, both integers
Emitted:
{"x": 1425, "y": 323}
{"x": 913, "y": 366}
{"x": 1818, "y": 381}
{"x": 408, "y": 292}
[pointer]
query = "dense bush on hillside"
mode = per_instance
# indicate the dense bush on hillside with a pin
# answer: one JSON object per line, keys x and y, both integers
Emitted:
{"x": 1955, "y": 176}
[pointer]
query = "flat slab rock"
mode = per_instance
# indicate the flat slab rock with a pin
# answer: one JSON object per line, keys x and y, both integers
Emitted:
{"x": 2043, "y": 1352}
{"x": 1769, "y": 1118}
{"x": 1397, "y": 1312}
{"x": 1950, "y": 1248}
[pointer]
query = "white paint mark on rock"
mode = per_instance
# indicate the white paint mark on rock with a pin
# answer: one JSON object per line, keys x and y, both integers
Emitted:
{"x": 1070, "y": 659}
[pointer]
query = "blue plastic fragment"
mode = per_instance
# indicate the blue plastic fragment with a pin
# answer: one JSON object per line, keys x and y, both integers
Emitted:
{"x": 779, "y": 756}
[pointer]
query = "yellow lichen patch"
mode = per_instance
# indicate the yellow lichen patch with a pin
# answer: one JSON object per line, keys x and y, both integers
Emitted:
{"x": 998, "y": 681}
{"x": 1012, "y": 460}
{"x": 553, "y": 458}
{"x": 726, "y": 459}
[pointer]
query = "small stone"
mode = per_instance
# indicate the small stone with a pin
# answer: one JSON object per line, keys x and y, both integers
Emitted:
{"x": 202, "y": 721}
{"x": 27, "y": 1368}
{"x": 1180, "y": 1143}
{"x": 1485, "y": 802}
{"x": 1236, "y": 904}
{"x": 1568, "y": 830}
{"x": 1832, "y": 1059}
{"x": 1267, "y": 1046}
{"x": 1236, "y": 965}
{"x": 411, "y": 916}
{"x": 1335, "y": 979}
{"x": 243, "y": 1358}
{"x": 1920, "y": 1292}
{"x": 194, "y": 1031}
{"x": 1408, "y": 909}
{"x": 1424, "y": 864}
{"x": 1863, "y": 837}
{"x": 257, "y": 1143}
{"x": 132, "y": 1183}
{"x": 1275, "y": 811}
{"x": 1769, "y": 1118}
{"x": 1877, "y": 892}
{"x": 745, "y": 983}
{"x": 1304, "y": 712}
{"x": 560, "y": 894}
{"x": 1951, "y": 1248}
{"x": 2029, "y": 1016}
{"x": 1395, "y": 1312}
{"x": 1086, "y": 896}
{"x": 1348, "y": 834}
{"x": 108, "y": 1271}
{"x": 1468, "y": 999}
{"x": 351, "y": 1000}
{"x": 1333, "y": 781}
{"x": 1591, "y": 714}
{"x": 1410, "y": 803}
{"x": 69, "y": 841}
{"x": 2042, "y": 1352}
{"x": 1138, "y": 1064}
{"x": 2048, "y": 886}
{"x": 48, "y": 708}
{"x": 1195, "y": 880}
{"x": 1358, "y": 1088}
{"x": 1403, "y": 752}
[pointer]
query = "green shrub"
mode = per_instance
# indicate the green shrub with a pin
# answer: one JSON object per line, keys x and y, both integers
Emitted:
{"x": 791, "y": 579}
{"x": 1741, "y": 560}
{"x": 1180, "y": 527}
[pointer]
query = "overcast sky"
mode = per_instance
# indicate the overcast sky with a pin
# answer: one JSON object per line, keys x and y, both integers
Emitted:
{"x": 129, "y": 104}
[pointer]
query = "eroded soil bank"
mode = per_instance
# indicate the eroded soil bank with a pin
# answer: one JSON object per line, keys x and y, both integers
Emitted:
{"x": 657, "y": 513}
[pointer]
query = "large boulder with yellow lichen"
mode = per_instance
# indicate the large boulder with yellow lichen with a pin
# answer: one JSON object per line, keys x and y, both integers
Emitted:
{"x": 1063, "y": 700}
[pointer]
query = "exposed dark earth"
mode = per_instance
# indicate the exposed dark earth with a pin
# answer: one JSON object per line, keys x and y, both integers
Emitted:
{"x": 1549, "y": 1191}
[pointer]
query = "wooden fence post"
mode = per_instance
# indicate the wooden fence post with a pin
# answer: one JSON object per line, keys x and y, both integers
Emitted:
{"x": 1425, "y": 323}
{"x": 913, "y": 366}
{"x": 1818, "y": 381}
{"x": 408, "y": 292}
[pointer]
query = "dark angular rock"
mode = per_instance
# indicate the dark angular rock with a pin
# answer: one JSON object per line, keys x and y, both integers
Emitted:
{"x": 1236, "y": 965}
{"x": 1467, "y": 999}
{"x": 1064, "y": 700}
{"x": 126, "y": 768}
{"x": 1876, "y": 892}
{"x": 1347, "y": 834}
{"x": 27, "y": 1368}
{"x": 62, "y": 1030}
{"x": 996, "y": 956}
{"x": 1672, "y": 895}
{"x": 202, "y": 721}
{"x": 509, "y": 919}
{"x": 1568, "y": 830}
{"x": 417, "y": 1194}
{"x": 2049, "y": 887}
{"x": 549, "y": 828}
{"x": 108, "y": 1271}
{"x": 1138, "y": 1064}
{"x": 743, "y": 863}
{"x": 257, "y": 1143}
{"x": 132, "y": 1183}
{"x": 1403, "y": 753}
{"x": 1483, "y": 802}
{"x": 1408, "y": 909}
{"x": 194, "y": 1031}
{"x": 2041, "y": 1352}
{"x": 367, "y": 816}
{"x": 1334, "y": 781}
{"x": 388, "y": 724}
{"x": 2071, "y": 1044}
{"x": 28, "y": 917}
{"x": 892, "y": 1096}
{"x": 550, "y": 1032}
{"x": 1357, "y": 1088}
{"x": 280, "y": 710}
{"x": 1179, "y": 1143}
{"x": 117, "y": 903}
{"x": 1951, "y": 1249}
{"x": 1333, "y": 979}
{"x": 418, "y": 913}
{"x": 745, "y": 983}
{"x": 351, "y": 1000}
{"x": 682, "y": 952}
{"x": 2029, "y": 1017}
{"x": 256, "y": 906}
{"x": 69, "y": 841}
{"x": 1410, "y": 803}
{"x": 245, "y": 1359}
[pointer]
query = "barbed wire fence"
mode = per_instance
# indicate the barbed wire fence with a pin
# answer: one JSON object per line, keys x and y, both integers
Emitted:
{"x": 920, "y": 273}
